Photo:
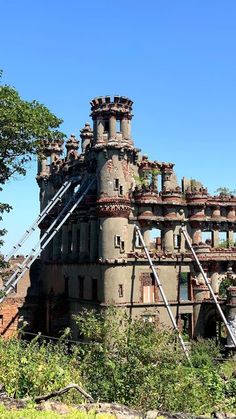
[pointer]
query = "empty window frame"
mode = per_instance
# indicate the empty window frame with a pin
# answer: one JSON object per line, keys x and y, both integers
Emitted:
{"x": 78, "y": 240}
{"x": 70, "y": 243}
{"x": 80, "y": 287}
{"x": 106, "y": 125}
{"x": 122, "y": 246}
{"x": 155, "y": 238}
{"x": 121, "y": 290}
{"x": 148, "y": 288}
{"x": 207, "y": 237}
{"x": 121, "y": 190}
{"x": 223, "y": 239}
{"x": 116, "y": 184}
{"x": 94, "y": 289}
{"x": 138, "y": 242}
{"x": 66, "y": 285}
{"x": 177, "y": 240}
{"x": 186, "y": 324}
{"x": 118, "y": 129}
{"x": 117, "y": 240}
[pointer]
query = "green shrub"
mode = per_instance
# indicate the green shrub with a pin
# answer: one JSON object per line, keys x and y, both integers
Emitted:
{"x": 139, "y": 366}
{"x": 31, "y": 369}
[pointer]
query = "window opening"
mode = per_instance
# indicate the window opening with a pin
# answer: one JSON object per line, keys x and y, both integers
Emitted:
{"x": 66, "y": 279}
{"x": 186, "y": 320}
{"x": 118, "y": 125}
{"x": 117, "y": 241}
{"x": 94, "y": 289}
{"x": 207, "y": 237}
{"x": 116, "y": 186}
{"x": 70, "y": 243}
{"x": 122, "y": 246}
{"x": 138, "y": 242}
{"x": 89, "y": 235}
{"x": 223, "y": 239}
{"x": 1, "y": 319}
{"x": 120, "y": 290}
{"x": 184, "y": 286}
{"x": 106, "y": 125}
{"x": 121, "y": 190}
{"x": 177, "y": 239}
{"x": 155, "y": 239}
{"x": 234, "y": 240}
{"x": 81, "y": 287}
{"x": 78, "y": 240}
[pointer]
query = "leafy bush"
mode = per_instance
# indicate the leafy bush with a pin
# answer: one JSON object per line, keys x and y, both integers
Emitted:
{"x": 128, "y": 362}
{"x": 31, "y": 369}
{"x": 135, "y": 364}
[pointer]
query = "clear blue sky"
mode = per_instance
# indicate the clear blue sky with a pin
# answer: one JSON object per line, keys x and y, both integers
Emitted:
{"x": 176, "y": 59}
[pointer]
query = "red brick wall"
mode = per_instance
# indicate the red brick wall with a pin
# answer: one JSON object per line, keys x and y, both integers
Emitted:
{"x": 9, "y": 316}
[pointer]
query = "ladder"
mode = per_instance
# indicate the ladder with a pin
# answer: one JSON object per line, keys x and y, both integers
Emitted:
{"x": 163, "y": 295}
{"x": 47, "y": 237}
{"x": 207, "y": 282}
{"x": 57, "y": 197}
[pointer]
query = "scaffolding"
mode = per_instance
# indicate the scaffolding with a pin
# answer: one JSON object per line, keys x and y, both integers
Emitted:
{"x": 207, "y": 282}
{"x": 53, "y": 229}
{"x": 158, "y": 282}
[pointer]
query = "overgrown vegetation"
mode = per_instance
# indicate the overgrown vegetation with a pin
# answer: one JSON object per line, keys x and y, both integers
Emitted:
{"x": 145, "y": 368}
{"x": 31, "y": 413}
{"x": 223, "y": 191}
{"x": 125, "y": 362}
{"x": 31, "y": 369}
{"x": 23, "y": 125}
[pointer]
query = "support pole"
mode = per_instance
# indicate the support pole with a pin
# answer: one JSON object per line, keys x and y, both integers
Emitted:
{"x": 163, "y": 295}
{"x": 207, "y": 282}
{"x": 31, "y": 258}
{"x": 57, "y": 197}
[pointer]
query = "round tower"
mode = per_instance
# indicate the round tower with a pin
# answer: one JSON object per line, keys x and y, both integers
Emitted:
{"x": 86, "y": 135}
{"x": 112, "y": 119}
{"x": 114, "y": 151}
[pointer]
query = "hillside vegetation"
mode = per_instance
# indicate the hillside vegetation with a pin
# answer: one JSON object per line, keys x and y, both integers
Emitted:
{"x": 131, "y": 363}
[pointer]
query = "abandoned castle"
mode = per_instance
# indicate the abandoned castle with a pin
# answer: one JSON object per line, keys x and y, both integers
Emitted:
{"x": 97, "y": 259}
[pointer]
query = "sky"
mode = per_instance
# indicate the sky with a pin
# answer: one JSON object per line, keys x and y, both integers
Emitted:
{"x": 176, "y": 59}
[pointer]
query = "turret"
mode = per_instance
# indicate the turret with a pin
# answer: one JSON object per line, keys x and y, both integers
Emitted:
{"x": 86, "y": 135}
{"x": 50, "y": 153}
{"x": 111, "y": 119}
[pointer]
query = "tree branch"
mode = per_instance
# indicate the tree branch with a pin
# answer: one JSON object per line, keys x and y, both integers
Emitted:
{"x": 38, "y": 399}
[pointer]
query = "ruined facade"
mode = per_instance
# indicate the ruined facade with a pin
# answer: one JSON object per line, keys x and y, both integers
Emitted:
{"x": 96, "y": 258}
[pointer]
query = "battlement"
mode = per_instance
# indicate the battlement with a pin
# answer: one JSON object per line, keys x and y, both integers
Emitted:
{"x": 106, "y": 105}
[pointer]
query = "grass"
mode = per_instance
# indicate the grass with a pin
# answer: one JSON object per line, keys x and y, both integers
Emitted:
{"x": 31, "y": 413}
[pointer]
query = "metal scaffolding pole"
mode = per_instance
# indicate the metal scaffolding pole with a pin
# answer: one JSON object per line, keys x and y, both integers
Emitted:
{"x": 163, "y": 295}
{"x": 57, "y": 197}
{"x": 12, "y": 282}
{"x": 45, "y": 235}
{"x": 207, "y": 282}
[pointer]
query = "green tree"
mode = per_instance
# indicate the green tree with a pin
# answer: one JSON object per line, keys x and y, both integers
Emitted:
{"x": 134, "y": 363}
{"x": 23, "y": 125}
{"x": 222, "y": 190}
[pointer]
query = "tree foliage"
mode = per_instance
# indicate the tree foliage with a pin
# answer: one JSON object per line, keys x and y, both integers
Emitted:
{"x": 136, "y": 364}
{"x": 223, "y": 191}
{"x": 23, "y": 125}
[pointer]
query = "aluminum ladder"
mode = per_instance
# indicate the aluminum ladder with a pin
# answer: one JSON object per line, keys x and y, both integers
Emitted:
{"x": 207, "y": 282}
{"x": 173, "y": 321}
{"x": 46, "y": 238}
{"x": 56, "y": 198}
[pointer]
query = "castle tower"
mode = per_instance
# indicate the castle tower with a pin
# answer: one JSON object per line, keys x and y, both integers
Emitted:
{"x": 115, "y": 174}
{"x": 86, "y": 135}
